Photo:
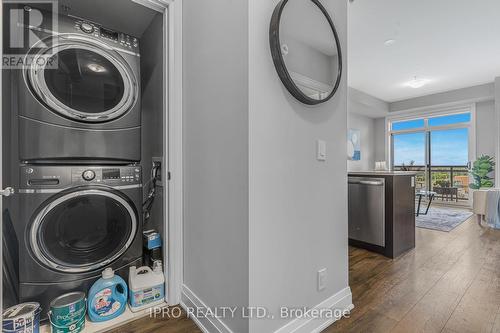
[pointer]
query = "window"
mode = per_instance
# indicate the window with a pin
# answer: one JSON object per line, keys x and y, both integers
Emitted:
{"x": 450, "y": 119}
{"x": 408, "y": 124}
{"x": 437, "y": 148}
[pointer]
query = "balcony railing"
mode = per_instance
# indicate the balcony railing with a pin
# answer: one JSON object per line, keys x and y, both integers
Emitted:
{"x": 450, "y": 182}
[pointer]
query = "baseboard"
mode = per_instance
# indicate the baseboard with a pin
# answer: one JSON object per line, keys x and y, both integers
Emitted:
{"x": 341, "y": 301}
{"x": 206, "y": 324}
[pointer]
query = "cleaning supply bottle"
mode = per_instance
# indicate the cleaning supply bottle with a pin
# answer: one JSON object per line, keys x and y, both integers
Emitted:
{"x": 107, "y": 298}
{"x": 146, "y": 286}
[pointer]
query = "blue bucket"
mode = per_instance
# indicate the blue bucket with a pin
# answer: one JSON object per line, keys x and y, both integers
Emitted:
{"x": 22, "y": 318}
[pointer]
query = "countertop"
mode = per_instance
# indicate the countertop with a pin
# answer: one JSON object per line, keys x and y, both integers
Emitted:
{"x": 382, "y": 173}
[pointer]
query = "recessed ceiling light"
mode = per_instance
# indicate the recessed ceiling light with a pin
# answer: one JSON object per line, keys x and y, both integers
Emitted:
{"x": 389, "y": 42}
{"x": 417, "y": 83}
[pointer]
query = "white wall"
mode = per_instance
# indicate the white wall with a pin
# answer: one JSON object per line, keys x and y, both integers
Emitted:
{"x": 367, "y": 105}
{"x": 261, "y": 214}
{"x": 298, "y": 206}
{"x": 485, "y": 128}
{"x": 496, "y": 136}
{"x": 366, "y": 126}
{"x": 367, "y": 113}
{"x": 216, "y": 153}
{"x": 479, "y": 93}
{"x": 380, "y": 141}
{"x": 486, "y": 123}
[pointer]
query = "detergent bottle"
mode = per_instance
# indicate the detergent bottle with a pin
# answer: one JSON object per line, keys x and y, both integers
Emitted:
{"x": 146, "y": 286}
{"x": 107, "y": 298}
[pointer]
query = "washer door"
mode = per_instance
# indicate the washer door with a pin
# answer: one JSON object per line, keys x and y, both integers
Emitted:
{"x": 81, "y": 79}
{"x": 83, "y": 230}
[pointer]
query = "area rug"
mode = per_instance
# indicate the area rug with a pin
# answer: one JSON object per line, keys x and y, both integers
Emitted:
{"x": 442, "y": 219}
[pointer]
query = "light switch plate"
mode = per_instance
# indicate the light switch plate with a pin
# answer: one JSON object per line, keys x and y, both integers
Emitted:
{"x": 321, "y": 150}
{"x": 322, "y": 279}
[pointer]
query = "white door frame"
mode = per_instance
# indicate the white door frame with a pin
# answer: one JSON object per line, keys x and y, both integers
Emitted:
{"x": 172, "y": 154}
{"x": 1, "y": 157}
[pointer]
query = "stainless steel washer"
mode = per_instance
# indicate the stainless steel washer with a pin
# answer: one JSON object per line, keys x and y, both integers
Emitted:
{"x": 73, "y": 222}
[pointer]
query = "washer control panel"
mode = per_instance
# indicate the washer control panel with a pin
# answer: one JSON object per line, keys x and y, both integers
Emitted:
{"x": 40, "y": 177}
{"x": 122, "y": 40}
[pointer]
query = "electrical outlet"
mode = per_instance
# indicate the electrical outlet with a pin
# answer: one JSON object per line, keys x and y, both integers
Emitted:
{"x": 322, "y": 275}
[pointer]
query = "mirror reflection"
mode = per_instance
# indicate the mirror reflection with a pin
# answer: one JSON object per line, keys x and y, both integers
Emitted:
{"x": 309, "y": 49}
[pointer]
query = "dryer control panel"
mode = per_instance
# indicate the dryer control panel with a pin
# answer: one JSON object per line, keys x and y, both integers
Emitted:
{"x": 58, "y": 177}
{"x": 95, "y": 30}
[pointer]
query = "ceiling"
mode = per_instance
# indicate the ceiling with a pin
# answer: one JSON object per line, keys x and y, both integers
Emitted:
{"x": 452, "y": 43}
{"x": 120, "y": 15}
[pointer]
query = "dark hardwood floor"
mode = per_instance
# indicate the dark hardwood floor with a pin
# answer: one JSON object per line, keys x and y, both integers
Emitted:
{"x": 160, "y": 325}
{"x": 449, "y": 283}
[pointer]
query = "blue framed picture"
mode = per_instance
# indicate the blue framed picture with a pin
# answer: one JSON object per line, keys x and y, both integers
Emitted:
{"x": 354, "y": 144}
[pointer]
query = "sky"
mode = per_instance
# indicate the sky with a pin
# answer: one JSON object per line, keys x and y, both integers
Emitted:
{"x": 448, "y": 147}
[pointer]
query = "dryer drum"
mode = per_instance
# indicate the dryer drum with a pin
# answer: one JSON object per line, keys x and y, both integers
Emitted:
{"x": 82, "y": 230}
{"x": 81, "y": 78}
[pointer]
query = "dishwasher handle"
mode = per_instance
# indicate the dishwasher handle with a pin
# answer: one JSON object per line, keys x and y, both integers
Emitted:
{"x": 367, "y": 182}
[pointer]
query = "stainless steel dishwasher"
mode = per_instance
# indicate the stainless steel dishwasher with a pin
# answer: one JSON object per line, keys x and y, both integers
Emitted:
{"x": 367, "y": 210}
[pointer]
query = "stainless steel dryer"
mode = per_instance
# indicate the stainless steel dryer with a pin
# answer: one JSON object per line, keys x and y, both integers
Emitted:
{"x": 72, "y": 223}
{"x": 79, "y": 99}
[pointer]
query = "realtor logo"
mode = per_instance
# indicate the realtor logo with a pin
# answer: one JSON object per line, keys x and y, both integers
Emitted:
{"x": 26, "y": 27}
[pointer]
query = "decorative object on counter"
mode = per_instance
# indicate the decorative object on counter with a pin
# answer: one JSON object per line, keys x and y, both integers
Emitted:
{"x": 22, "y": 318}
{"x": 306, "y": 50}
{"x": 480, "y": 172}
{"x": 146, "y": 286}
{"x": 107, "y": 297}
{"x": 381, "y": 166}
{"x": 152, "y": 247}
{"x": 354, "y": 144}
{"x": 67, "y": 313}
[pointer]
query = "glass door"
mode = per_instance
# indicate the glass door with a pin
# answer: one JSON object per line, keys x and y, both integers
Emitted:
{"x": 410, "y": 154}
{"x": 439, "y": 149}
{"x": 449, "y": 159}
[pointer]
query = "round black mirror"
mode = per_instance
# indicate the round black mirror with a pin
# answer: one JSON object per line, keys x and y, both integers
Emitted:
{"x": 306, "y": 50}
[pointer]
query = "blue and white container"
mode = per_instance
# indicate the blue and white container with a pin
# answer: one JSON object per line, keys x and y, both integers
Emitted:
{"x": 22, "y": 318}
{"x": 107, "y": 298}
{"x": 146, "y": 286}
{"x": 152, "y": 239}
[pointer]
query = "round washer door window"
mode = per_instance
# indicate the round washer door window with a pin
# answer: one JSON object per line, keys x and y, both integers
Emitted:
{"x": 82, "y": 79}
{"x": 83, "y": 230}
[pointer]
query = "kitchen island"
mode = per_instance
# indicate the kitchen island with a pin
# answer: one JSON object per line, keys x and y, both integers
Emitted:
{"x": 382, "y": 211}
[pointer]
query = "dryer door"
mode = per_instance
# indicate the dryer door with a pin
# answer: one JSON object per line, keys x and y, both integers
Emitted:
{"x": 81, "y": 78}
{"x": 83, "y": 230}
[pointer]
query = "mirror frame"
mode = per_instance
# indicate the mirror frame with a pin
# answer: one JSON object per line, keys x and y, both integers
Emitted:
{"x": 279, "y": 61}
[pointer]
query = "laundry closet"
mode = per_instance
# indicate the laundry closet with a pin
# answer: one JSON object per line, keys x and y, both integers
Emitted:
{"x": 84, "y": 142}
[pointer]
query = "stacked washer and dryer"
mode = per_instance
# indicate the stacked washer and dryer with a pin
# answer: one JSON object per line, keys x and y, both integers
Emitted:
{"x": 79, "y": 144}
